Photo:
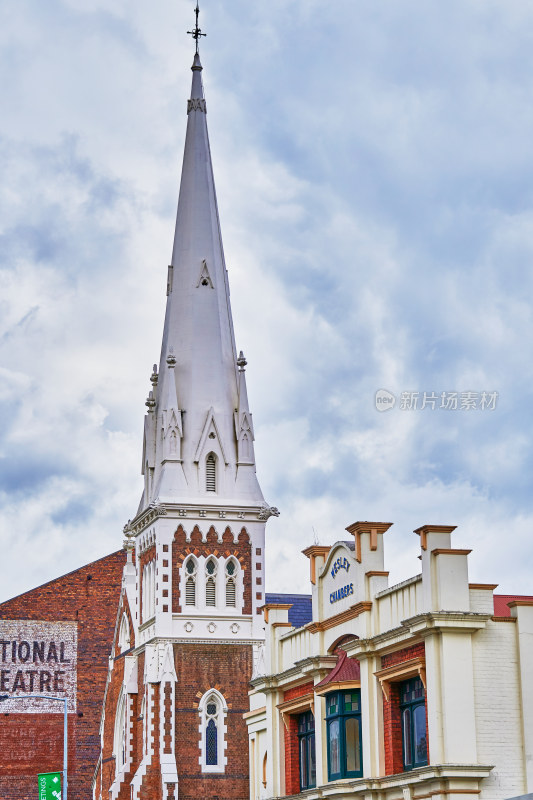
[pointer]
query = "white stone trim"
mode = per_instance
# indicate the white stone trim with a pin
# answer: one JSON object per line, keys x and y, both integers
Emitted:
{"x": 222, "y": 711}
{"x": 124, "y": 635}
{"x": 148, "y": 590}
{"x": 148, "y": 741}
{"x": 124, "y": 702}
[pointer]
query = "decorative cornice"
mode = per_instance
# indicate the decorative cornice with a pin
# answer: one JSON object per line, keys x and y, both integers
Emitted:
{"x": 316, "y": 550}
{"x": 425, "y": 529}
{"x": 514, "y": 603}
{"x": 192, "y": 511}
{"x": 338, "y": 619}
{"x": 373, "y": 528}
{"x": 451, "y": 780}
{"x": 296, "y": 703}
{"x": 450, "y": 551}
{"x": 197, "y": 104}
{"x": 399, "y": 672}
{"x": 268, "y": 606}
{"x": 489, "y": 586}
{"x": 307, "y": 667}
{"x": 336, "y": 686}
{"x": 146, "y": 518}
{"x": 415, "y": 629}
{"x": 256, "y": 712}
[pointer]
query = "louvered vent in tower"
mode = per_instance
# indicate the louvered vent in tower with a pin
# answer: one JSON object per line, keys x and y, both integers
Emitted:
{"x": 210, "y": 473}
{"x": 190, "y": 592}
{"x": 210, "y": 593}
{"x": 230, "y": 592}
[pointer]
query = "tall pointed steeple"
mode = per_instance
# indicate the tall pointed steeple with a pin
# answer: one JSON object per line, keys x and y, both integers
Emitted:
{"x": 198, "y": 432}
{"x": 194, "y": 582}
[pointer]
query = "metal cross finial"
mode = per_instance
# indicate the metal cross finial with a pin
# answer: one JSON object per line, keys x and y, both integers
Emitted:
{"x": 197, "y": 32}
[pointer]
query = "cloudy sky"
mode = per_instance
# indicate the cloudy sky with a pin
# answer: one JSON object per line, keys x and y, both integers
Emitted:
{"x": 374, "y": 169}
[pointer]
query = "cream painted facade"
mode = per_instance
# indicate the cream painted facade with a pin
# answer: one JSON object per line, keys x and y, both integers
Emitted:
{"x": 475, "y": 668}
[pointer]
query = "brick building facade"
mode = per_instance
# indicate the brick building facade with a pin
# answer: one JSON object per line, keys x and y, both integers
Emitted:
{"x": 419, "y": 690}
{"x": 84, "y": 604}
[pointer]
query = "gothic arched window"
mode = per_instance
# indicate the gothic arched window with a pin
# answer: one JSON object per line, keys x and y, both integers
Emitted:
{"x": 120, "y": 738}
{"x": 124, "y": 634}
{"x": 212, "y": 709}
{"x": 211, "y": 473}
{"x": 231, "y": 583}
{"x": 211, "y": 582}
{"x": 148, "y": 590}
{"x": 190, "y": 581}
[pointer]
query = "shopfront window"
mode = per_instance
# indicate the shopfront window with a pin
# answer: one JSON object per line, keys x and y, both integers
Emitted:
{"x": 413, "y": 716}
{"x": 343, "y": 720}
{"x": 306, "y": 749}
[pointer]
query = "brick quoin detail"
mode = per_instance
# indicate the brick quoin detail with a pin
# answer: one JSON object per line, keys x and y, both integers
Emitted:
{"x": 113, "y": 691}
{"x": 242, "y": 551}
{"x": 392, "y": 724}
{"x": 151, "y": 787}
{"x": 292, "y": 758}
{"x": 33, "y": 743}
{"x": 168, "y": 718}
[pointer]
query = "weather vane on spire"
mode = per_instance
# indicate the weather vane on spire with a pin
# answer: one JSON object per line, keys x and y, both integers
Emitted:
{"x": 197, "y": 32}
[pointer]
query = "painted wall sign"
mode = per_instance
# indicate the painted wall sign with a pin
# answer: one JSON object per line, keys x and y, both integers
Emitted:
{"x": 340, "y": 594}
{"x": 340, "y": 563}
{"x": 38, "y": 658}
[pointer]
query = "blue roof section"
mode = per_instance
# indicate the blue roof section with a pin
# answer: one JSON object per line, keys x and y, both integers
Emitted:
{"x": 301, "y": 612}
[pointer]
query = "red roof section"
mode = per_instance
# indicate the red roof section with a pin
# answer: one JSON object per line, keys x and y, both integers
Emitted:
{"x": 346, "y": 669}
{"x": 501, "y": 609}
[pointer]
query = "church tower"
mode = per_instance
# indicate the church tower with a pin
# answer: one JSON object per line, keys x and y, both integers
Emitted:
{"x": 189, "y": 626}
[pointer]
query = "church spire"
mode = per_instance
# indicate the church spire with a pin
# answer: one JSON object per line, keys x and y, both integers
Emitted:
{"x": 198, "y": 430}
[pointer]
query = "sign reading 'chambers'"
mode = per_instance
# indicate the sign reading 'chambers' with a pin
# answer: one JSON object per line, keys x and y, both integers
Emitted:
{"x": 38, "y": 658}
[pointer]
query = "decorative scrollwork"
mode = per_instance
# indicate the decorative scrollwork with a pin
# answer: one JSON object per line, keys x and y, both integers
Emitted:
{"x": 197, "y": 104}
{"x": 267, "y": 511}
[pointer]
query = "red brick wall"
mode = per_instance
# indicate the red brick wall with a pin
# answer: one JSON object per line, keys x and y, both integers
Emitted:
{"x": 33, "y": 743}
{"x": 242, "y": 552}
{"x": 298, "y": 691}
{"x": 292, "y": 762}
{"x": 201, "y": 667}
{"x": 292, "y": 758}
{"x": 392, "y": 726}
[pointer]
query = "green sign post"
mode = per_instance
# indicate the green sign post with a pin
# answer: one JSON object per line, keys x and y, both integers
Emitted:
{"x": 49, "y": 786}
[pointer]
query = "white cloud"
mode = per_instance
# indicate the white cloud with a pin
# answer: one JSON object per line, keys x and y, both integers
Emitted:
{"x": 374, "y": 173}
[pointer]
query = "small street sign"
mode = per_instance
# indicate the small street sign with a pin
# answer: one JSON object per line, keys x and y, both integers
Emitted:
{"x": 49, "y": 786}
